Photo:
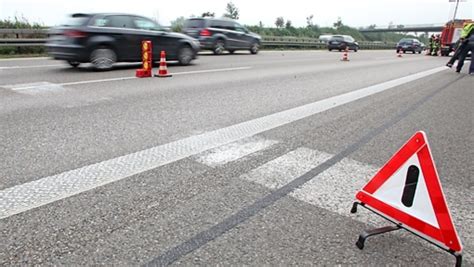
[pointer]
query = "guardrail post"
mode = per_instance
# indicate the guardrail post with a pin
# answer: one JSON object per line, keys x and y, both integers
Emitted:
{"x": 18, "y": 49}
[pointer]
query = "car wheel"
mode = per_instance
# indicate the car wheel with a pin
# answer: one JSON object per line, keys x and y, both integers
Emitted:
{"x": 414, "y": 52}
{"x": 73, "y": 64}
{"x": 254, "y": 48}
{"x": 340, "y": 50}
{"x": 185, "y": 55}
{"x": 231, "y": 51}
{"x": 330, "y": 50}
{"x": 355, "y": 49}
{"x": 404, "y": 51}
{"x": 103, "y": 58}
{"x": 219, "y": 47}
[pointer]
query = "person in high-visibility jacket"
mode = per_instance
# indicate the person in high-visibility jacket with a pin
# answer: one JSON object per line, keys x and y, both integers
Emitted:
{"x": 436, "y": 45}
{"x": 460, "y": 44}
{"x": 467, "y": 39}
{"x": 431, "y": 44}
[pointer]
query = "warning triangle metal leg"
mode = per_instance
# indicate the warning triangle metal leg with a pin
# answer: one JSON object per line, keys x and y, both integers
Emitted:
{"x": 364, "y": 235}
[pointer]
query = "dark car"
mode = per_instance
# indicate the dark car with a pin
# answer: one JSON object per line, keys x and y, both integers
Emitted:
{"x": 222, "y": 34}
{"x": 340, "y": 42}
{"x": 104, "y": 39}
{"x": 410, "y": 44}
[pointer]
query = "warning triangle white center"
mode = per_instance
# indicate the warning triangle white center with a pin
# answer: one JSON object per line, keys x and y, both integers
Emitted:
{"x": 391, "y": 192}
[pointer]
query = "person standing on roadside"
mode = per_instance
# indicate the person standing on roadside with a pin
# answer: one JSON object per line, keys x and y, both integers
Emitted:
{"x": 459, "y": 46}
{"x": 436, "y": 45}
{"x": 467, "y": 39}
{"x": 431, "y": 45}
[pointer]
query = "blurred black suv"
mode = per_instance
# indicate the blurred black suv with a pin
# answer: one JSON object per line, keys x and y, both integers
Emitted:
{"x": 222, "y": 34}
{"x": 104, "y": 39}
{"x": 341, "y": 42}
{"x": 410, "y": 44}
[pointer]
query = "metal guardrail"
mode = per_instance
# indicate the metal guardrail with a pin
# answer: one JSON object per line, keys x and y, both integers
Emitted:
{"x": 23, "y": 37}
{"x": 24, "y": 31}
{"x": 296, "y": 42}
{"x": 22, "y": 40}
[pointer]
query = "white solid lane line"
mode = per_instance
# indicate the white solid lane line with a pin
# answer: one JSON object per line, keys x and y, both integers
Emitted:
{"x": 23, "y": 58}
{"x": 130, "y": 78}
{"x": 30, "y": 195}
{"x": 31, "y": 67}
{"x": 211, "y": 70}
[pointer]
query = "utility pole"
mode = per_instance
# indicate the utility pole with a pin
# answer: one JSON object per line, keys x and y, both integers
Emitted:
{"x": 456, "y": 10}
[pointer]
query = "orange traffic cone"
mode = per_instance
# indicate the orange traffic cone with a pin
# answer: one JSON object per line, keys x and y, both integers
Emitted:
{"x": 163, "y": 70}
{"x": 344, "y": 56}
{"x": 399, "y": 53}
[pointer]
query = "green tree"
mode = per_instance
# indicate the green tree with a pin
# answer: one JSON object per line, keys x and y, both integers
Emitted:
{"x": 177, "y": 24}
{"x": 208, "y": 14}
{"x": 231, "y": 11}
{"x": 309, "y": 21}
{"x": 338, "y": 24}
{"x": 288, "y": 24}
{"x": 279, "y": 22}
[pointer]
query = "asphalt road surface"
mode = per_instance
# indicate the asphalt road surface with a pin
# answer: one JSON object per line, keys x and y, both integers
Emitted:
{"x": 235, "y": 160}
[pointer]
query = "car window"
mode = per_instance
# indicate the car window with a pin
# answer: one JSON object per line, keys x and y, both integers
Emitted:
{"x": 145, "y": 24}
{"x": 216, "y": 24}
{"x": 349, "y": 39}
{"x": 338, "y": 38}
{"x": 77, "y": 20}
{"x": 239, "y": 27}
{"x": 194, "y": 23}
{"x": 116, "y": 22}
{"x": 228, "y": 25}
{"x": 100, "y": 22}
{"x": 406, "y": 40}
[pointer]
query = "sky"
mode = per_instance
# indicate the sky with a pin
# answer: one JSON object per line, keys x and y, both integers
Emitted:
{"x": 353, "y": 13}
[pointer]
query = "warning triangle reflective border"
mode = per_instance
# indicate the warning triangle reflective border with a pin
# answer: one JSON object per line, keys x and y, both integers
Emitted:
{"x": 445, "y": 235}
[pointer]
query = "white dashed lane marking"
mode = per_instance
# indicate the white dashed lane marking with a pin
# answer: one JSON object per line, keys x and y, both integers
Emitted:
{"x": 34, "y": 88}
{"x": 234, "y": 151}
{"x": 332, "y": 190}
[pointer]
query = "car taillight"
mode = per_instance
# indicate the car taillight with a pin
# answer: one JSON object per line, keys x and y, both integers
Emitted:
{"x": 205, "y": 32}
{"x": 75, "y": 34}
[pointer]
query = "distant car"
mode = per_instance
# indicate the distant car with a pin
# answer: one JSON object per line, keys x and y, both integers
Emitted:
{"x": 219, "y": 35}
{"x": 106, "y": 38}
{"x": 340, "y": 42}
{"x": 410, "y": 44}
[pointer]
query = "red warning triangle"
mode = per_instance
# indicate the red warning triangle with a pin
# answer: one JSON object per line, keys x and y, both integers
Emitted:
{"x": 407, "y": 190}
